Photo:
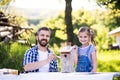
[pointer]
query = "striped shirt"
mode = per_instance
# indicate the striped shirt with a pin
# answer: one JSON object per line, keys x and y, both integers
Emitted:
{"x": 32, "y": 55}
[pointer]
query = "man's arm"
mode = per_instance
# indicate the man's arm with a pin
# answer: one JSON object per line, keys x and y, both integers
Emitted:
{"x": 36, "y": 65}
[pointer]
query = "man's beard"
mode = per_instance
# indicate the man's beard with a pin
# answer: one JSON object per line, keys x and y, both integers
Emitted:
{"x": 43, "y": 42}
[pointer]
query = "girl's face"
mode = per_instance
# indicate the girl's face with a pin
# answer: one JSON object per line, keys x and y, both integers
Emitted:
{"x": 84, "y": 38}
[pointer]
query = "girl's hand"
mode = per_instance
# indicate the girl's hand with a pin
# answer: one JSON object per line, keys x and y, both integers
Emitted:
{"x": 75, "y": 47}
{"x": 93, "y": 70}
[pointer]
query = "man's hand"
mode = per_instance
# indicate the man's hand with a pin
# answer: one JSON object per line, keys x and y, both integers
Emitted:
{"x": 52, "y": 57}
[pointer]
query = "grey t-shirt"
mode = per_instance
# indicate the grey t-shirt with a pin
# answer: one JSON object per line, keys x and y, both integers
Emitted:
{"x": 83, "y": 51}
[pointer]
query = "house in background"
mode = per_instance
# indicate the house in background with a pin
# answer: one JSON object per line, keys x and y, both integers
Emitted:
{"x": 116, "y": 33}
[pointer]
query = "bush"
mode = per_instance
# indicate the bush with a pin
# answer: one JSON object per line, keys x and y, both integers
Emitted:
{"x": 12, "y": 55}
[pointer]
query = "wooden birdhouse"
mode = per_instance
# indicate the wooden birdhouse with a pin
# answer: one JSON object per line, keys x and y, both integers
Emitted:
{"x": 67, "y": 59}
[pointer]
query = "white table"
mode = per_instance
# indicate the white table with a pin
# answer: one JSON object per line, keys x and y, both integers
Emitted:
{"x": 59, "y": 76}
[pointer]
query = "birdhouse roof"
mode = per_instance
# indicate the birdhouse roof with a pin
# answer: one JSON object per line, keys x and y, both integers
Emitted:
{"x": 66, "y": 49}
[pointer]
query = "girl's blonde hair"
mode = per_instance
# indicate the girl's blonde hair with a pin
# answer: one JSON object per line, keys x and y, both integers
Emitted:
{"x": 90, "y": 33}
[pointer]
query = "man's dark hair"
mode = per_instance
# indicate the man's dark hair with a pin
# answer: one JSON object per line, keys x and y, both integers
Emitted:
{"x": 42, "y": 28}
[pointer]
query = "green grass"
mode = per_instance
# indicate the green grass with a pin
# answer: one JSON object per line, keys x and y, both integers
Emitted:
{"x": 108, "y": 61}
{"x": 109, "y": 55}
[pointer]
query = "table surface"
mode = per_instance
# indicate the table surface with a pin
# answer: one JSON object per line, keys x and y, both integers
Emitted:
{"x": 60, "y": 76}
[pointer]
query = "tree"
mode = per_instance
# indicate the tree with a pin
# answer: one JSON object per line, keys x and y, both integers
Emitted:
{"x": 5, "y": 2}
{"x": 112, "y": 4}
{"x": 68, "y": 21}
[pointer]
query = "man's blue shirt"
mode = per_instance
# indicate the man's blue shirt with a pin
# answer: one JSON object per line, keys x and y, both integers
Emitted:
{"x": 32, "y": 55}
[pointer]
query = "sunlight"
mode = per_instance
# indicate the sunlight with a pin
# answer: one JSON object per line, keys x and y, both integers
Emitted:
{"x": 55, "y": 4}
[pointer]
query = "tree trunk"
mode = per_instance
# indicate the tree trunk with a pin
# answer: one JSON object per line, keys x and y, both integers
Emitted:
{"x": 68, "y": 21}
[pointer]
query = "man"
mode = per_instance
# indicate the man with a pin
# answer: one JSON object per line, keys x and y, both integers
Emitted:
{"x": 39, "y": 58}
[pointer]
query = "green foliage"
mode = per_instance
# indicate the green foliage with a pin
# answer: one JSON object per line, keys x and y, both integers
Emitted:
{"x": 12, "y": 55}
{"x": 112, "y": 4}
{"x": 110, "y": 18}
{"x": 16, "y": 55}
{"x": 58, "y": 29}
{"x": 116, "y": 77}
{"x": 4, "y": 53}
{"x": 101, "y": 37}
{"x": 83, "y": 18}
{"x": 110, "y": 66}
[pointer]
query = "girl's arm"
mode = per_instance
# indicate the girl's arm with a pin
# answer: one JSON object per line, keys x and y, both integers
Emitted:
{"x": 75, "y": 54}
{"x": 94, "y": 61}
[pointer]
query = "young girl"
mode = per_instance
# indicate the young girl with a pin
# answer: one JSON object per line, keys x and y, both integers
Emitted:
{"x": 85, "y": 55}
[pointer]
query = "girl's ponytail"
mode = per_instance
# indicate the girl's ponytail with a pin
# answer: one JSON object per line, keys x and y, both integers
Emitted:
{"x": 92, "y": 37}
